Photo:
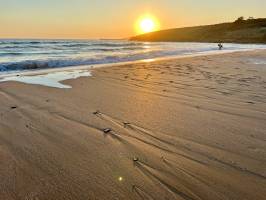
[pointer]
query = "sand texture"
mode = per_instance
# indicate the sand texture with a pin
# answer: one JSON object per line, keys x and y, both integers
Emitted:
{"x": 185, "y": 129}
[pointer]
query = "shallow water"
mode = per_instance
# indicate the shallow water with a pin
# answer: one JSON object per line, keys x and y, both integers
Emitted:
{"x": 52, "y": 79}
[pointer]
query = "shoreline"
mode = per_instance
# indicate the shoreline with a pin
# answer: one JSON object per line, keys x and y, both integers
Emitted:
{"x": 89, "y": 67}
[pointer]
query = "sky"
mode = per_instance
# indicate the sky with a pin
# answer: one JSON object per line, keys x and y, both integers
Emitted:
{"x": 114, "y": 18}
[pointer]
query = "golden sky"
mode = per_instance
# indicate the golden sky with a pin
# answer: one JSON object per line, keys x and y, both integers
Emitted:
{"x": 113, "y": 18}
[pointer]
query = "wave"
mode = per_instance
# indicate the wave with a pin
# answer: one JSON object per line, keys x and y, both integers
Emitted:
{"x": 103, "y": 49}
{"x": 21, "y": 42}
{"x": 99, "y": 59}
{"x": 11, "y": 54}
{"x": 76, "y": 45}
{"x": 104, "y": 44}
{"x": 28, "y": 55}
{"x": 43, "y": 64}
{"x": 118, "y": 49}
{"x": 25, "y": 54}
{"x": 34, "y": 42}
{"x": 110, "y": 44}
{"x": 25, "y": 42}
{"x": 10, "y": 47}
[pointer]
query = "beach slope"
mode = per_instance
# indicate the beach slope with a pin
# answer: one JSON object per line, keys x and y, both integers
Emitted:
{"x": 185, "y": 129}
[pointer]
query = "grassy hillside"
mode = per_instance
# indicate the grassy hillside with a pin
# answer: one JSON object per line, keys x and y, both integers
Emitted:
{"x": 240, "y": 31}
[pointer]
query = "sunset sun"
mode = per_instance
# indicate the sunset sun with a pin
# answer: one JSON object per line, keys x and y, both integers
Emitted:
{"x": 147, "y": 24}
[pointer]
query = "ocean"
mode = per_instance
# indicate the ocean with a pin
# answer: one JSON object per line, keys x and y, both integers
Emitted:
{"x": 27, "y": 55}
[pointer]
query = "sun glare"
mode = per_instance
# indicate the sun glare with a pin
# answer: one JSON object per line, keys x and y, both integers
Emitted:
{"x": 147, "y": 24}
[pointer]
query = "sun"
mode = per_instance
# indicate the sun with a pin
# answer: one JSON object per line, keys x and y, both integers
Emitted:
{"x": 147, "y": 24}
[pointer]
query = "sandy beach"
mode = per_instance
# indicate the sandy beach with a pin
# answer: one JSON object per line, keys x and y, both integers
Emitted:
{"x": 185, "y": 129}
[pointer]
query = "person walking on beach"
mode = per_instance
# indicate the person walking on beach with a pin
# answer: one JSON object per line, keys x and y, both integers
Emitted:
{"x": 220, "y": 46}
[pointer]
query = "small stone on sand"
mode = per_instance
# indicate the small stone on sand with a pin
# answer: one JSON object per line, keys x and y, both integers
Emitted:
{"x": 126, "y": 124}
{"x": 107, "y": 130}
{"x": 96, "y": 112}
{"x": 135, "y": 159}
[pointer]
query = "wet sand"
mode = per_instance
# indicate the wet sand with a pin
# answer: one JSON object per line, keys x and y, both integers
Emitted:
{"x": 186, "y": 129}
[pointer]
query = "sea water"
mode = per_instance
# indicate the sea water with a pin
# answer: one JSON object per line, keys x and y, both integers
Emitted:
{"x": 17, "y": 56}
